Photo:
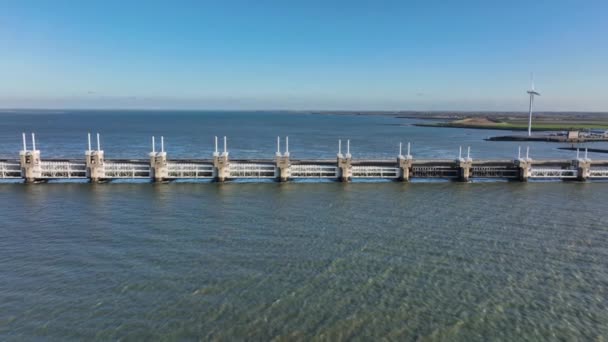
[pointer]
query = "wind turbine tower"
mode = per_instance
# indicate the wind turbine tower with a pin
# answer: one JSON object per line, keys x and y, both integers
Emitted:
{"x": 532, "y": 93}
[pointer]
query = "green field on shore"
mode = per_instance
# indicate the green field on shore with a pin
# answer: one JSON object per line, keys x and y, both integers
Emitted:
{"x": 519, "y": 125}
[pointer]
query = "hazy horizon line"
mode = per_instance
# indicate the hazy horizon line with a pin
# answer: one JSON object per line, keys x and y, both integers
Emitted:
{"x": 5, "y": 109}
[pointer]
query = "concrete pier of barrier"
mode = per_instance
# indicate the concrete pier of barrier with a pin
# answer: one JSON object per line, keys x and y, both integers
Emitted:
{"x": 159, "y": 171}
{"x": 283, "y": 165}
{"x": 221, "y": 162}
{"x": 30, "y": 161}
{"x": 583, "y": 166}
{"x": 345, "y": 166}
{"x": 523, "y": 165}
{"x": 405, "y": 163}
{"x": 94, "y": 162}
{"x": 464, "y": 166}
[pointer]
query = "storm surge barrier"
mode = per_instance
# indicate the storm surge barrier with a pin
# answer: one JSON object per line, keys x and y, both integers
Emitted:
{"x": 94, "y": 167}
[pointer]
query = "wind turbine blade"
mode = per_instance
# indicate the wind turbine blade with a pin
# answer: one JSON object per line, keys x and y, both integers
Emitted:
{"x": 532, "y": 80}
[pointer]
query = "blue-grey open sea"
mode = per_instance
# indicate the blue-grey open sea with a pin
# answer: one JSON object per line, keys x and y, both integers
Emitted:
{"x": 430, "y": 261}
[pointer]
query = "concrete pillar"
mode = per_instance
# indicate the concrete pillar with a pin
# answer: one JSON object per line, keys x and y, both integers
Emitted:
{"x": 30, "y": 161}
{"x": 30, "y": 165}
{"x": 583, "y": 167}
{"x": 464, "y": 167}
{"x": 405, "y": 163}
{"x": 158, "y": 166}
{"x": 345, "y": 168}
{"x": 158, "y": 162}
{"x": 94, "y": 161}
{"x": 405, "y": 168}
{"x": 523, "y": 164}
{"x": 524, "y": 169}
{"x": 222, "y": 167}
{"x": 283, "y": 166}
{"x": 95, "y": 166}
{"x": 283, "y": 163}
{"x": 221, "y": 162}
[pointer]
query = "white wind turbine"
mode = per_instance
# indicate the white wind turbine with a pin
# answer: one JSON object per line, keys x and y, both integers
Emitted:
{"x": 532, "y": 93}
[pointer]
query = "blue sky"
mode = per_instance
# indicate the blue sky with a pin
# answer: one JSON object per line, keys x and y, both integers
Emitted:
{"x": 408, "y": 55}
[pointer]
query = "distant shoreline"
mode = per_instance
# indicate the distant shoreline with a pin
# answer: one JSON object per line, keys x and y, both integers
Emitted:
{"x": 538, "y": 128}
{"x": 517, "y": 121}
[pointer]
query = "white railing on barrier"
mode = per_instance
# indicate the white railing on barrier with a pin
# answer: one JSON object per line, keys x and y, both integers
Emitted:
{"x": 552, "y": 173}
{"x": 190, "y": 170}
{"x": 246, "y": 170}
{"x": 60, "y": 169}
{"x": 493, "y": 172}
{"x": 374, "y": 172}
{"x": 434, "y": 172}
{"x": 313, "y": 171}
{"x": 10, "y": 170}
{"x": 126, "y": 170}
{"x": 598, "y": 173}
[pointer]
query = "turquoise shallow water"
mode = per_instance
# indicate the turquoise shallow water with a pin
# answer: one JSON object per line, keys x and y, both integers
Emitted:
{"x": 326, "y": 261}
